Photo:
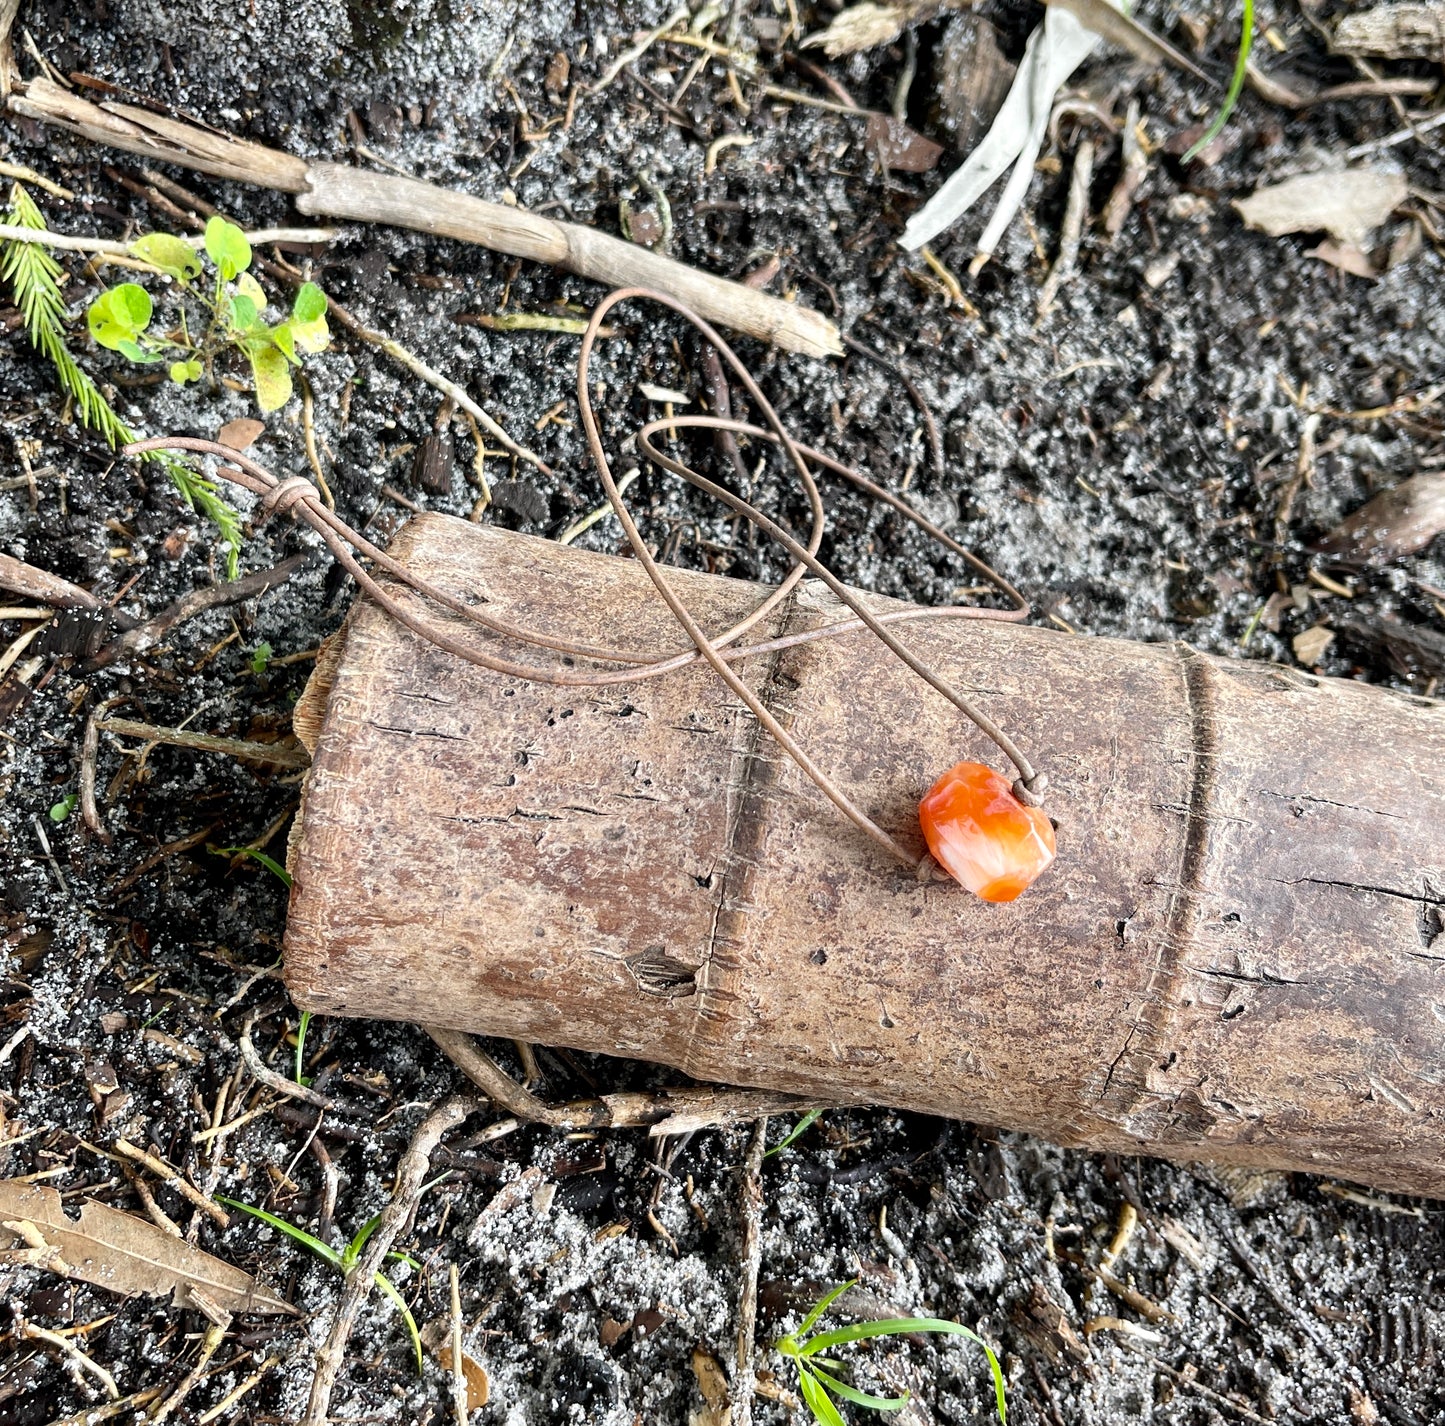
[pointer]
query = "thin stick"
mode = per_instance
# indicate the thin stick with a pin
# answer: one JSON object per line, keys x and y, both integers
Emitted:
{"x": 89, "y": 747}
{"x": 458, "y": 1375}
{"x": 291, "y": 755}
{"x": 751, "y": 1256}
{"x": 74, "y": 1355}
{"x": 447, "y": 387}
{"x": 631, "y": 56}
{"x": 176, "y": 1180}
{"x": 154, "y": 1211}
{"x": 215, "y": 1335}
{"x": 224, "y": 1405}
{"x": 264, "y": 1074}
{"x": 662, "y": 1111}
{"x": 144, "y": 636}
{"x": 410, "y": 1176}
{"x": 21, "y": 578}
{"x": 19, "y": 170}
{"x": 308, "y": 430}
{"x": 581, "y": 526}
{"x": 498, "y": 1085}
{"x": 94, "y": 1415}
{"x": 107, "y": 247}
{"x": 1076, "y": 209}
{"x": 339, "y": 191}
{"x": 1400, "y": 136}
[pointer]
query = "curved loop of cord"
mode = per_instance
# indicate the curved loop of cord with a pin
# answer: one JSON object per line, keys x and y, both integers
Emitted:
{"x": 1030, "y": 783}
{"x": 299, "y": 498}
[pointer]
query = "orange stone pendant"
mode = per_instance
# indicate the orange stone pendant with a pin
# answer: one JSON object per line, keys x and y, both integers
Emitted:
{"x": 982, "y": 835}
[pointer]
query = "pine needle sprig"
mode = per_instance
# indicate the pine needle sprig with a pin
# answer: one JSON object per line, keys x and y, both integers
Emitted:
{"x": 35, "y": 279}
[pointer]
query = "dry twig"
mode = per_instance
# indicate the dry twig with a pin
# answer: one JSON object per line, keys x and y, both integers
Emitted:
{"x": 410, "y": 1175}
{"x": 751, "y": 1256}
{"x": 176, "y": 1180}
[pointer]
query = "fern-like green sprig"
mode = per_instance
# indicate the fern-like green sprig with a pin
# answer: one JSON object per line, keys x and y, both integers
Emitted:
{"x": 35, "y": 279}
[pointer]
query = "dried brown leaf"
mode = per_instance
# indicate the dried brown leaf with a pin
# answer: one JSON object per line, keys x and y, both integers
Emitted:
{"x": 713, "y": 1384}
{"x": 436, "y": 1337}
{"x": 240, "y": 433}
{"x": 1396, "y": 522}
{"x": 126, "y": 1254}
{"x": 1347, "y": 257}
{"x": 898, "y": 147}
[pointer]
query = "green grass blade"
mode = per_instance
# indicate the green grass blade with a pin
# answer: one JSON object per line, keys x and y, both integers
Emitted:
{"x": 1236, "y": 84}
{"x": 322, "y": 1250}
{"x": 822, "y": 1305}
{"x": 301, "y": 1044}
{"x": 859, "y": 1398}
{"x": 805, "y": 1123}
{"x": 901, "y": 1326}
{"x": 354, "y": 1247}
{"x": 889, "y": 1327}
{"x": 819, "y": 1402}
{"x": 389, "y": 1288}
{"x": 269, "y": 862}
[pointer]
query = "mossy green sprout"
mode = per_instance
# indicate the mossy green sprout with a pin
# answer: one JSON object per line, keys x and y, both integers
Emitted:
{"x": 345, "y": 1261}
{"x": 817, "y": 1374}
{"x": 231, "y": 307}
{"x": 36, "y": 281}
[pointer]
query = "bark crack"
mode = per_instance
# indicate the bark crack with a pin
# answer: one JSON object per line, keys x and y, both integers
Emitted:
{"x": 749, "y": 780}
{"x": 1124, "y": 1085}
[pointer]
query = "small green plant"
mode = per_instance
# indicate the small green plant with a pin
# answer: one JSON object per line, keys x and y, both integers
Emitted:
{"x": 1236, "y": 84}
{"x": 301, "y": 1030}
{"x": 817, "y": 1379}
{"x": 345, "y": 1261}
{"x": 62, "y": 809}
{"x": 806, "y": 1120}
{"x": 228, "y": 309}
{"x": 36, "y": 281}
{"x": 261, "y": 658}
{"x": 256, "y": 855}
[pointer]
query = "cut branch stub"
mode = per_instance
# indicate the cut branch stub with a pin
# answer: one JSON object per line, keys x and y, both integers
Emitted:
{"x": 1238, "y": 954}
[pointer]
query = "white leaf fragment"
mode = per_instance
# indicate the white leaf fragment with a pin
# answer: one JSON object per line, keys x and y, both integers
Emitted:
{"x": 1348, "y": 204}
{"x": 1054, "y": 51}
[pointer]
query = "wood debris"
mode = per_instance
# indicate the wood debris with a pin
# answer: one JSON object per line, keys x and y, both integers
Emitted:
{"x": 972, "y": 76}
{"x": 1408, "y": 31}
{"x": 866, "y": 26}
{"x": 1348, "y": 204}
{"x": 1310, "y": 646}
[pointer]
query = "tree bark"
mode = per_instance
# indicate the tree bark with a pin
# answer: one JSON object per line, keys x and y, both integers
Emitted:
{"x": 1237, "y": 956}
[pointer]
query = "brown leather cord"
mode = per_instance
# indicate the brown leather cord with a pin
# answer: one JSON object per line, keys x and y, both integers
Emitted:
{"x": 299, "y": 498}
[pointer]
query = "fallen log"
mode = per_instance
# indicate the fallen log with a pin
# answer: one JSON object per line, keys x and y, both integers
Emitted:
{"x": 340, "y": 191}
{"x": 1238, "y": 955}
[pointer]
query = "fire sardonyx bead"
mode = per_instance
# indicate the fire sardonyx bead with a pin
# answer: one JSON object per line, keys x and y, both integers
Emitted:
{"x": 982, "y": 835}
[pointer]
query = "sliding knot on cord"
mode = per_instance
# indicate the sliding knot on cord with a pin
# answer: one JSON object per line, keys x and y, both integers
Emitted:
{"x": 283, "y": 498}
{"x": 1030, "y": 790}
